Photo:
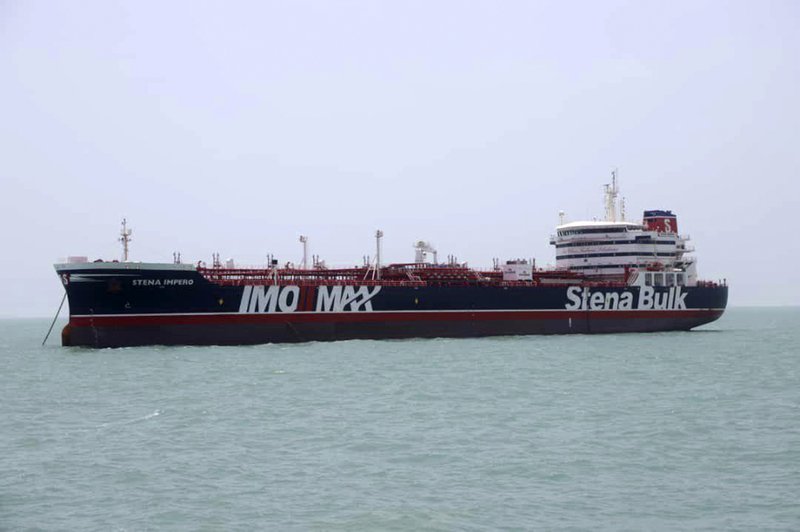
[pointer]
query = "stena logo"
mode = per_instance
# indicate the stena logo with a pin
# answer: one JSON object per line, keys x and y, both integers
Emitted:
{"x": 587, "y": 299}
{"x": 256, "y": 299}
{"x": 667, "y": 225}
{"x": 345, "y": 298}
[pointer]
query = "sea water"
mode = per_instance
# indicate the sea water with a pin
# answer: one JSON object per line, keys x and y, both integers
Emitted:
{"x": 663, "y": 431}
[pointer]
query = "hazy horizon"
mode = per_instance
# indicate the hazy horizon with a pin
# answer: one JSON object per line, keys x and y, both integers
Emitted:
{"x": 236, "y": 128}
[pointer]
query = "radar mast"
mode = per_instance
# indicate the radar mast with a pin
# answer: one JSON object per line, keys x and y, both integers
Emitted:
{"x": 611, "y": 193}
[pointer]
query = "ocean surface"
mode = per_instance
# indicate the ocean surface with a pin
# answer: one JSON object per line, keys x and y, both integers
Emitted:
{"x": 664, "y": 431}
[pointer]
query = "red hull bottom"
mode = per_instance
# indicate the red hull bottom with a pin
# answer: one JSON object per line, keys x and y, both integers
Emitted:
{"x": 260, "y": 329}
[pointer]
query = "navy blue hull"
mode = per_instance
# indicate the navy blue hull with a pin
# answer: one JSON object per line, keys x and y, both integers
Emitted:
{"x": 129, "y": 306}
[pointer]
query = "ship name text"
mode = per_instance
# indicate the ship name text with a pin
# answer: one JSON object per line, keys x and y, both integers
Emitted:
{"x": 163, "y": 282}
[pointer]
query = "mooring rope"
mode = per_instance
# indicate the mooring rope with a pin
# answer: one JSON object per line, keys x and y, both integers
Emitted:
{"x": 55, "y": 318}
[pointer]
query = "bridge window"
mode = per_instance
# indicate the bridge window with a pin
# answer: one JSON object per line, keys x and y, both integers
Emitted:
{"x": 648, "y": 279}
{"x": 658, "y": 279}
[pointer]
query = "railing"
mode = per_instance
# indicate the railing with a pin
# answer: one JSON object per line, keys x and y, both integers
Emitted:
{"x": 713, "y": 284}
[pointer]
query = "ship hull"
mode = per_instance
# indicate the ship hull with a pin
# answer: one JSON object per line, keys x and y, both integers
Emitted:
{"x": 130, "y": 305}
{"x": 223, "y": 330}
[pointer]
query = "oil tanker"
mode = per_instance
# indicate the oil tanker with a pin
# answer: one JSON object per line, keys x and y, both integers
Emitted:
{"x": 610, "y": 276}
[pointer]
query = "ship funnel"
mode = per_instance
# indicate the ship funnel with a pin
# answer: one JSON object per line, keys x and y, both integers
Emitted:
{"x": 660, "y": 221}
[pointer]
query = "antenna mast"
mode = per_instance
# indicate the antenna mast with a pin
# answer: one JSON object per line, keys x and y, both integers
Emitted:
{"x": 378, "y": 236}
{"x": 125, "y": 238}
{"x": 304, "y": 240}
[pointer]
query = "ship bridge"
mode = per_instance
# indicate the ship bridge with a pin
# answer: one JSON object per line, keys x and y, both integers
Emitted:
{"x": 610, "y": 249}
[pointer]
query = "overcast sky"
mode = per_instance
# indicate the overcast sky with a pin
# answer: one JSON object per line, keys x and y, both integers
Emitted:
{"x": 237, "y": 126}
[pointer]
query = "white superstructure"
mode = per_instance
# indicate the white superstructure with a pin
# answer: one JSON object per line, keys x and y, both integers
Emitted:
{"x": 614, "y": 249}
